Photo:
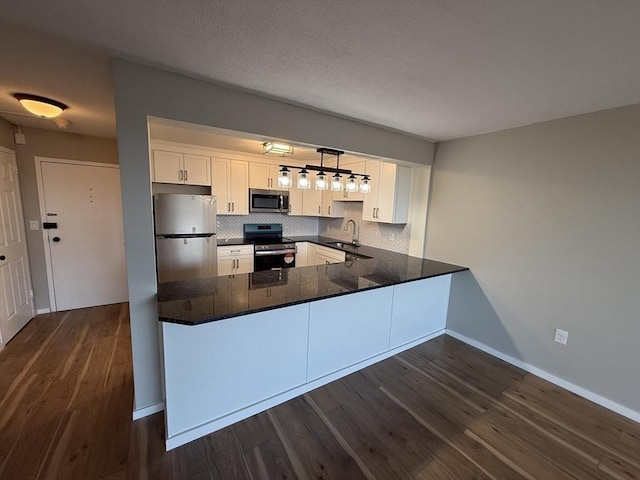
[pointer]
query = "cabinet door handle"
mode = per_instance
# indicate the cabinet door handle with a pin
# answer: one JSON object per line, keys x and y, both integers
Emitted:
{"x": 233, "y": 206}
{"x": 318, "y": 209}
{"x": 186, "y": 175}
{"x": 228, "y": 206}
{"x": 180, "y": 176}
{"x": 329, "y": 210}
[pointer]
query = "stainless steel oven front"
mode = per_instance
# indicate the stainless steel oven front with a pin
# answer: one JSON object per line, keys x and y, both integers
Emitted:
{"x": 274, "y": 257}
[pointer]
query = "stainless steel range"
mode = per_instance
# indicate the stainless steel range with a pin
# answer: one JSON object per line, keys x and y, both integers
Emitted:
{"x": 272, "y": 251}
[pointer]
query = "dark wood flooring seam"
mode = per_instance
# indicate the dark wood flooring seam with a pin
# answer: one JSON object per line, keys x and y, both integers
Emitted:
{"x": 338, "y": 436}
{"x": 446, "y": 387}
{"x": 576, "y": 432}
{"x": 496, "y": 453}
{"x": 429, "y": 427}
{"x": 28, "y": 366}
{"x": 298, "y": 468}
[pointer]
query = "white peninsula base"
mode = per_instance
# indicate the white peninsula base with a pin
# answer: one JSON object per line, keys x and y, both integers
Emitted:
{"x": 221, "y": 372}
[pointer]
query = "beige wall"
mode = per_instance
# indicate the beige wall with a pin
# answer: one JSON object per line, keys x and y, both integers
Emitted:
{"x": 547, "y": 217}
{"x": 6, "y": 134}
{"x": 53, "y": 144}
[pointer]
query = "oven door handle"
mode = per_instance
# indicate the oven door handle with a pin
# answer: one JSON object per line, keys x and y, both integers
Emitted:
{"x": 261, "y": 253}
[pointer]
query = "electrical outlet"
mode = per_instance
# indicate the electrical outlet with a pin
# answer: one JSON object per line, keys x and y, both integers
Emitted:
{"x": 561, "y": 336}
{"x": 34, "y": 225}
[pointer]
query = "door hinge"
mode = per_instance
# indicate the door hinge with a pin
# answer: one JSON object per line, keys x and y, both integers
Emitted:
{"x": 31, "y": 292}
{"x": 15, "y": 169}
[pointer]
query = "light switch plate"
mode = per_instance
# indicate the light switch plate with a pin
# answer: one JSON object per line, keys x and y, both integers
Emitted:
{"x": 34, "y": 225}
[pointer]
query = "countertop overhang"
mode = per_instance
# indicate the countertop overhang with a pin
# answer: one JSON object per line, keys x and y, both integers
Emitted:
{"x": 198, "y": 301}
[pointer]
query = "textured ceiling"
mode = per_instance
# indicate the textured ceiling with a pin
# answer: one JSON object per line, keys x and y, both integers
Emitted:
{"x": 437, "y": 69}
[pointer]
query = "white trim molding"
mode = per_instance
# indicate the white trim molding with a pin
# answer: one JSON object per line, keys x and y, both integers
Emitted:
{"x": 42, "y": 311}
{"x": 148, "y": 410}
{"x": 578, "y": 390}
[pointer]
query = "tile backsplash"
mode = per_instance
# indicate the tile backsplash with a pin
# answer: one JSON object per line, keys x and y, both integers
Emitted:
{"x": 230, "y": 226}
{"x": 381, "y": 235}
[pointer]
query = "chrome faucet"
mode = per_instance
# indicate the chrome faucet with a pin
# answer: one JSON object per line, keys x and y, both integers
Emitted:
{"x": 354, "y": 235}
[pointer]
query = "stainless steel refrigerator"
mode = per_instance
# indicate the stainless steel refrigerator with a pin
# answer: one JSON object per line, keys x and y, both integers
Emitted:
{"x": 185, "y": 228}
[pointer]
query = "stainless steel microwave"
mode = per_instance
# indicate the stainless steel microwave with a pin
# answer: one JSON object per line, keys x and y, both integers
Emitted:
{"x": 268, "y": 201}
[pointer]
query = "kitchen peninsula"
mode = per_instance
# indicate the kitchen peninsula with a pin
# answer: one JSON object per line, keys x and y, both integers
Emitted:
{"x": 236, "y": 345}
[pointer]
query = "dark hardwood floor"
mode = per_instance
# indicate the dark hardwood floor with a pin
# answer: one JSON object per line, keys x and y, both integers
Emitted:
{"x": 442, "y": 410}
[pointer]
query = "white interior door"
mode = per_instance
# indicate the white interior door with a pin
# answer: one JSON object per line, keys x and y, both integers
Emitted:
{"x": 16, "y": 304}
{"x": 86, "y": 247}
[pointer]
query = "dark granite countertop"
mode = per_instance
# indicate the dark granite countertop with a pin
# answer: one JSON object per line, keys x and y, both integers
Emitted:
{"x": 192, "y": 302}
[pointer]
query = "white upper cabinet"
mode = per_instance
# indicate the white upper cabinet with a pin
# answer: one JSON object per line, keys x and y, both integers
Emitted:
{"x": 264, "y": 176}
{"x": 230, "y": 181}
{"x": 388, "y": 200}
{"x": 180, "y": 168}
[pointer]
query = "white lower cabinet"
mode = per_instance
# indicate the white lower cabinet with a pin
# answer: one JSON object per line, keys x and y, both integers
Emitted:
{"x": 301, "y": 254}
{"x": 235, "y": 259}
{"x": 326, "y": 255}
{"x": 215, "y": 369}
{"x": 348, "y": 329}
{"x": 419, "y": 309}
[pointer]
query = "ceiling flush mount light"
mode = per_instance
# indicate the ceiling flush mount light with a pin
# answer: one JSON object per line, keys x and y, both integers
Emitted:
{"x": 280, "y": 149}
{"x": 322, "y": 180}
{"x": 40, "y": 106}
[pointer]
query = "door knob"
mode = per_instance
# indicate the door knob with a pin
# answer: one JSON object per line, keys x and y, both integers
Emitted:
{"x": 56, "y": 239}
{"x": 2, "y": 257}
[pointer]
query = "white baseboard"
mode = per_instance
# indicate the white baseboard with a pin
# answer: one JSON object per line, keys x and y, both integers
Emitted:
{"x": 578, "y": 390}
{"x": 42, "y": 311}
{"x": 146, "y": 411}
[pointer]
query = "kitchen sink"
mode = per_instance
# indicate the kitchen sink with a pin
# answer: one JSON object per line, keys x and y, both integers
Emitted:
{"x": 352, "y": 256}
{"x": 344, "y": 244}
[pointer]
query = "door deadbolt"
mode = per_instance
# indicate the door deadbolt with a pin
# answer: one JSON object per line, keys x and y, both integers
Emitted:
{"x": 2, "y": 257}
{"x": 56, "y": 239}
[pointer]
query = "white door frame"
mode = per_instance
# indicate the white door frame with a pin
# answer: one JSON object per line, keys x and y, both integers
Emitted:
{"x": 43, "y": 214}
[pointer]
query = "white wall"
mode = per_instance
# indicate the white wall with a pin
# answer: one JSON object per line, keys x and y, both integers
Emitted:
{"x": 143, "y": 91}
{"x": 547, "y": 217}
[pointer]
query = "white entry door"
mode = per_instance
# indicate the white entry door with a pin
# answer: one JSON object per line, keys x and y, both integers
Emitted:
{"x": 16, "y": 304}
{"x": 85, "y": 241}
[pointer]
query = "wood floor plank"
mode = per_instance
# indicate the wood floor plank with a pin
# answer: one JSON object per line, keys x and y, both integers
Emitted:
{"x": 591, "y": 421}
{"x": 269, "y": 460}
{"x": 225, "y": 456}
{"x": 385, "y": 436}
{"x": 318, "y": 452}
{"x": 523, "y": 437}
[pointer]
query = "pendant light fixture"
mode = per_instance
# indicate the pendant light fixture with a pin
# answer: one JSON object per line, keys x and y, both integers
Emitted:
{"x": 40, "y": 106}
{"x": 336, "y": 183}
{"x": 365, "y": 186}
{"x": 352, "y": 184}
{"x": 284, "y": 178}
{"x": 322, "y": 180}
{"x": 304, "y": 183}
